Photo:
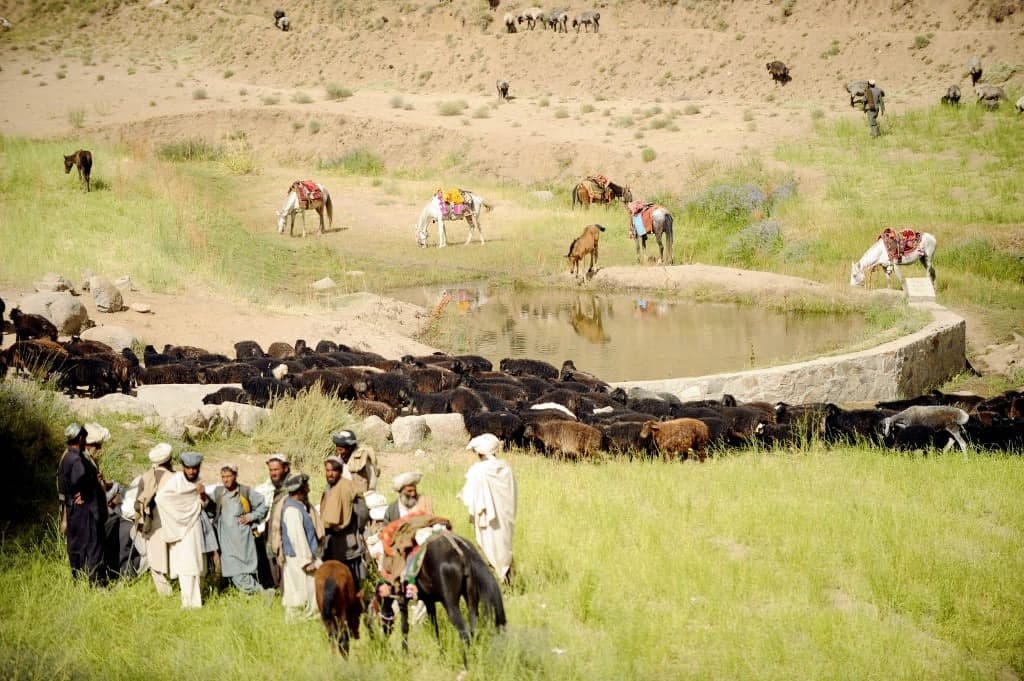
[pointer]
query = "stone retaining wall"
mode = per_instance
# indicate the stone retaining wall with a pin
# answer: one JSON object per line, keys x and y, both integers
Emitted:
{"x": 899, "y": 369}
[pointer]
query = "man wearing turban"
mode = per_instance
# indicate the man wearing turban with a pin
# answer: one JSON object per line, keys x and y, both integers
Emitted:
{"x": 147, "y": 515}
{"x": 180, "y": 502}
{"x": 490, "y": 496}
{"x": 83, "y": 507}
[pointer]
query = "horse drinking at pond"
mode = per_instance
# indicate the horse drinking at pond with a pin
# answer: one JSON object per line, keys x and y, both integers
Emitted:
{"x": 304, "y": 195}
{"x": 892, "y": 249}
{"x": 650, "y": 219}
{"x": 82, "y": 160}
{"x": 599, "y": 189}
{"x": 451, "y": 569}
{"x": 438, "y": 211}
{"x": 338, "y": 602}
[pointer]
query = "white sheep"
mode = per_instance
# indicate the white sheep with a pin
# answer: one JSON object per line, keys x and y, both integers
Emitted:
{"x": 1020, "y": 104}
{"x": 937, "y": 417}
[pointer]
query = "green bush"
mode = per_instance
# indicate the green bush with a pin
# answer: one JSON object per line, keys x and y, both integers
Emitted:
{"x": 648, "y": 154}
{"x": 921, "y": 41}
{"x": 190, "y": 149}
{"x": 199, "y": 93}
{"x": 336, "y": 91}
{"x": 302, "y": 98}
{"x": 359, "y": 161}
{"x": 452, "y": 108}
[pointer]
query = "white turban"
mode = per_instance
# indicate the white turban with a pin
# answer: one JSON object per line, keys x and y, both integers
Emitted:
{"x": 487, "y": 445}
{"x": 407, "y": 478}
{"x": 160, "y": 453}
{"x": 96, "y": 434}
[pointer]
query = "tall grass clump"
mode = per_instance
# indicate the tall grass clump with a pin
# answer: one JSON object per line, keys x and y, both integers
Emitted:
{"x": 336, "y": 91}
{"x": 302, "y": 98}
{"x": 190, "y": 149}
{"x": 76, "y": 117}
{"x": 755, "y": 243}
{"x": 452, "y": 107}
{"x": 360, "y": 161}
{"x": 648, "y": 154}
{"x": 199, "y": 93}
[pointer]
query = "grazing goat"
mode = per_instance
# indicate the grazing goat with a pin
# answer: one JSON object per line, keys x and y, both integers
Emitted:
{"x": 32, "y": 326}
{"x": 502, "y": 86}
{"x": 558, "y": 21}
{"x": 989, "y": 95}
{"x": 283, "y": 23}
{"x": 510, "y": 23}
{"x": 936, "y": 417}
{"x": 531, "y": 17}
{"x": 281, "y": 350}
{"x": 587, "y": 20}
{"x": 974, "y": 68}
{"x": 585, "y": 243}
{"x": 678, "y": 436}
{"x": 262, "y": 391}
{"x": 952, "y": 96}
{"x": 779, "y": 72}
{"x": 564, "y": 438}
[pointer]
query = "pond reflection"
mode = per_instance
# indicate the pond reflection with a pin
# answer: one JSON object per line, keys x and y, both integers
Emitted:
{"x": 629, "y": 337}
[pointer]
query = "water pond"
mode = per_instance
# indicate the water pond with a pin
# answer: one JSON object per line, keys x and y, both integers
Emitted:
{"x": 621, "y": 337}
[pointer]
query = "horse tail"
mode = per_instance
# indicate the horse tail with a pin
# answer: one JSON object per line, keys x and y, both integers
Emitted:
{"x": 485, "y": 583}
{"x": 575, "y": 193}
{"x": 329, "y": 205}
{"x": 486, "y": 206}
{"x": 667, "y": 229}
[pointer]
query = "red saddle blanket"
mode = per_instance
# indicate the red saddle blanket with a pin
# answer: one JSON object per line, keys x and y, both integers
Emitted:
{"x": 641, "y": 218}
{"x": 900, "y": 244}
{"x": 307, "y": 191}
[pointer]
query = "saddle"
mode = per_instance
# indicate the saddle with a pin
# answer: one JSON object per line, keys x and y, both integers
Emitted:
{"x": 641, "y": 218}
{"x": 598, "y": 186}
{"x": 307, "y": 191}
{"x": 399, "y": 542}
{"x": 900, "y": 244}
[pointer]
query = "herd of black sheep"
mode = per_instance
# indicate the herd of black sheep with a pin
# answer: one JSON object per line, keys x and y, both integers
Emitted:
{"x": 526, "y": 402}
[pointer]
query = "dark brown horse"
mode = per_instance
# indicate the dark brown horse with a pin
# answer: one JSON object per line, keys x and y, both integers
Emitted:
{"x": 82, "y": 160}
{"x": 338, "y": 602}
{"x": 451, "y": 569}
{"x": 589, "y": 191}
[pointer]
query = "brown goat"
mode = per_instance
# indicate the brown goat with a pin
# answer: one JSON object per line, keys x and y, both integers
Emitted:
{"x": 582, "y": 245}
{"x": 678, "y": 436}
{"x": 565, "y": 438}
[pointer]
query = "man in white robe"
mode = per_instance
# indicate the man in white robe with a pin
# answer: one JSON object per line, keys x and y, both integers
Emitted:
{"x": 180, "y": 503}
{"x": 147, "y": 516}
{"x": 301, "y": 549}
{"x": 490, "y": 496}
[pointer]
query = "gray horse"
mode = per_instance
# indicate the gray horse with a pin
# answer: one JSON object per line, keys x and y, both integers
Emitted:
{"x": 661, "y": 224}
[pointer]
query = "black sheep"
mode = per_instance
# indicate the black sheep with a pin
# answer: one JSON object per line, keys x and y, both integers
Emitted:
{"x": 227, "y": 394}
{"x": 848, "y": 426}
{"x": 248, "y": 349}
{"x": 390, "y": 388}
{"x": 232, "y": 372}
{"x": 96, "y": 373}
{"x": 169, "y": 373}
{"x": 32, "y": 326}
{"x": 262, "y": 390}
{"x": 528, "y": 367}
{"x": 505, "y": 425}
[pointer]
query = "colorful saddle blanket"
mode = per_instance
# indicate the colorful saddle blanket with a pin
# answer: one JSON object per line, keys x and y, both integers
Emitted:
{"x": 900, "y": 244}
{"x": 454, "y": 210}
{"x": 307, "y": 191}
{"x": 641, "y": 218}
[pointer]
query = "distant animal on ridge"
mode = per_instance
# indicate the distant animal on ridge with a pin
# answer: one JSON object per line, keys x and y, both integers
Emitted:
{"x": 779, "y": 72}
{"x": 974, "y": 68}
{"x": 1020, "y": 104}
{"x": 502, "y": 86}
{"x": 989, "y": 95}
{"x": 82, "y": 160}
{"x": 510, "y": 23}
{"x": 952, "y": 96}
{"x": 587, "y": 19}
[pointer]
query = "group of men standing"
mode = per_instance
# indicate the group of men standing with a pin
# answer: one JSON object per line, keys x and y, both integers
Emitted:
{"x": 270, "y": 536}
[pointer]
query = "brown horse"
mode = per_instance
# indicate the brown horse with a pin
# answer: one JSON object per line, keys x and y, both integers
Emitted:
{"x": 82, "y": 160}
{"x": 338, "y": 602}
{"x": 588, "y": 191}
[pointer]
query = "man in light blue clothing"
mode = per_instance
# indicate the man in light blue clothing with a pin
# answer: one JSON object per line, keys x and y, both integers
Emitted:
{"x": 237, "y": 509}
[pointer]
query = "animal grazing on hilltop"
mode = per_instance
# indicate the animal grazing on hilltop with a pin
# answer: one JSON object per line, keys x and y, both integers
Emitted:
{"x": 936, "y": 417}
{"x": 280, "y": 20}
{"x": 587, "y": 19}
{"x": 648, "y": 219}
{"x": 558, "y": 21}
{"x": 338, "y": 602}
{"x": 473, "y": 205}
{"x": 989, "y": 95}
{"x": 1020, "y": 104}
{"x": 952, "y": 96}
{"x": 531, "y": 17}
{"x": 677, "y": 437}
{"x": 880, "y": 255}
{"x": 586, "y": 243}
{"x": 502, "y": 86}
{"x": 599, "y": 189}
{"x": 82, "y": 160}
{"x": 305, "y": 195}
{"x": 451, "y": 569}
{"x": 4, "y": 24}
{"x": 974, "y": 68}
{"x": 510, "y": 23}
{"x": 857, "y": 90}
{"x": 32, "y": 326}
{"x": 779, "y": 72}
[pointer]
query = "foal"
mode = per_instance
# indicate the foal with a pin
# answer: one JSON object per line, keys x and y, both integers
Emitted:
{"x": 338, "y": 602}
{"x": 82, "y": 160}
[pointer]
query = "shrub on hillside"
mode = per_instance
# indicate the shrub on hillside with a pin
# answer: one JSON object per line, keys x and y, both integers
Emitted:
{"x": 727, "y": 203}
{"x": 754, "y": 242}
{"x": 359, "y": 161}
{"x": 336, "y": 91}
{"x": 190, "y": 149}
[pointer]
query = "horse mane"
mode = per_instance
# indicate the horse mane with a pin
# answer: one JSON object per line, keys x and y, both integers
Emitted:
{"x": 484, "y": 581}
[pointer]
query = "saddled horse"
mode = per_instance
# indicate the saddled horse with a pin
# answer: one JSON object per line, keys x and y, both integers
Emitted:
{"x": 338, "y": 602}
{"x": 657, "y": 221}
{"x": 451, "y": 570}
{"x": 879, "y": 256}
{"x": 473, "y": 204}
{"x": 82, "y": 160}
{"x": 303, "y": 196}
{"x": 588, "y": 191}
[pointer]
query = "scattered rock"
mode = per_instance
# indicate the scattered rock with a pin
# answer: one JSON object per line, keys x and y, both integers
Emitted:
{"x": 374, "y": 429}
{"x": 243, "y": 418}
{"x": 52, "y": 281}
{"x": 117, "y": 337}
{"x": 408, "y": 430}
{"x": 447, "y": 428}
{"x": 323, "y": 284}
{"x": 115, "y": 403}
{"x": 141, "y": 308}
{"x": 63, "y": 309}
{"x": 108, "y": 298}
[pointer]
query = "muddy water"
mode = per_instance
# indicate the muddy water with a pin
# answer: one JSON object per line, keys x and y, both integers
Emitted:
{"x": 627, "y": 337}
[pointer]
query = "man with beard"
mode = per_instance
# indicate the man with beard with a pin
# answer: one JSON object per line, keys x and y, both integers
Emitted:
{"x": 147, "y": 515}
{"x": 237, "y": 508}
{"x": 344, "y": 514}
{"x": 180, "y": 502}
{"x": 84, "y": 505}
{"x": 300, "y": 548}
{"x": 279, "y": 469}
{"x": 409, "y": 499}
{"x": 490, "y": 496}
{"x": 360, "y": 464}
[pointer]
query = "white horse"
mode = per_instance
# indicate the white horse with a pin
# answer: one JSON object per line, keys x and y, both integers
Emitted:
{"x": 878, "y": 256}
{"x": 295, "y": 204}
{"x": 432, "y": 213}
